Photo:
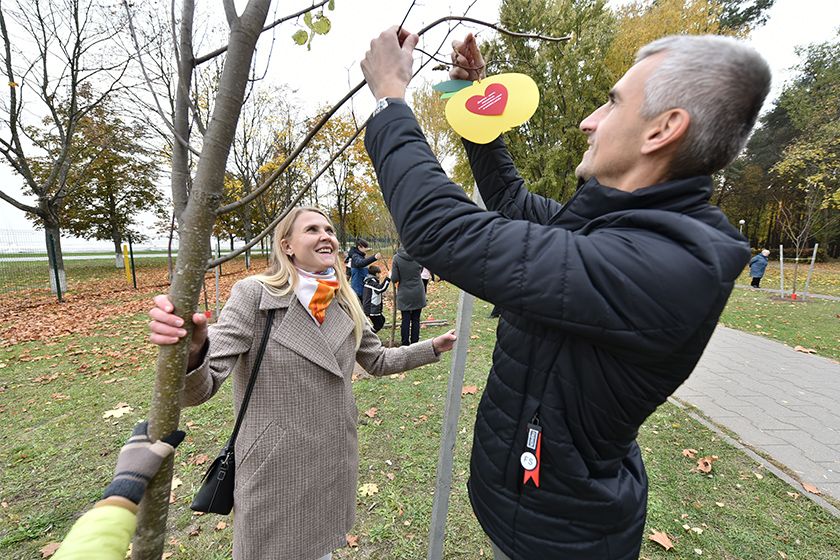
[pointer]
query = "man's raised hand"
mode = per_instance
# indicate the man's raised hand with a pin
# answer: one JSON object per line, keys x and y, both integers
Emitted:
{"x": 387, "y": 66}
{"x": 467, "y": 62}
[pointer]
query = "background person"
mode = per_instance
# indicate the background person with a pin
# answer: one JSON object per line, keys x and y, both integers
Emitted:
{"x": 358, "y": 266}
{"x": 372, "y": 297}
{"x": 758, "y": 264}
{"x": 606, "y": 302}
{"x": 297, "y": 450}
{"x": 411, "y": 295}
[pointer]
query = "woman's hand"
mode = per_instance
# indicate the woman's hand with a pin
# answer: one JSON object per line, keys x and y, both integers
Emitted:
{"x": 444, "y": 342}
{"x": 167, "y": 328}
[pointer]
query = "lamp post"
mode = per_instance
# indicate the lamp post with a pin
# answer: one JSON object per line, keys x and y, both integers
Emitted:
{"x": 741, "y": 226}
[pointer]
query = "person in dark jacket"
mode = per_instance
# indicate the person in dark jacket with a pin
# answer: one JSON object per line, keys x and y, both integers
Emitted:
{"x": 359, "y": 266}
{"x": 758, "y": 264}
{"x": 607, "y": 302}
{"x": 372, "y": 297}
{"x": 411, "y": 295}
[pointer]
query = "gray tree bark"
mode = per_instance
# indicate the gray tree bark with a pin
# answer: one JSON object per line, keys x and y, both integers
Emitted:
{"x": 195, "y": 229}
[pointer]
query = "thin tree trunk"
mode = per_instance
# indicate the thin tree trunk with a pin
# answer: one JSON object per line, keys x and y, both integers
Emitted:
{"x": 53, "y": 237}
{"x": 195, "y": 231}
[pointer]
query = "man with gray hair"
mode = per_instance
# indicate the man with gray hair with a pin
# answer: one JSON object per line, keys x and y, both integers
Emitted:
{"x": 607, "y": 302}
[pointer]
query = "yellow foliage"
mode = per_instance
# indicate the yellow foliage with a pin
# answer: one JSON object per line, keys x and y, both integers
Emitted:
{"x": 641, "y": 22}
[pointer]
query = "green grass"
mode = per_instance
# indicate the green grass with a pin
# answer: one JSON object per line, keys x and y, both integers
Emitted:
{"x": 813, "y": 323}
{"x": 825, "y": 279}
{"x": 59, "y": 454}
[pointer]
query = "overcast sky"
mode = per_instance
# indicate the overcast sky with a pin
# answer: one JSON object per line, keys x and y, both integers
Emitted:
{"x": 321, "y": 76}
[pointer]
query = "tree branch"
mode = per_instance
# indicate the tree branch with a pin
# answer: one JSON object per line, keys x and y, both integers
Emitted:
{"x": 230, "y": 12}
{"x": 213, "y": 54}
{"x": 322, "y": 121}
{"x": 20, "y": 205}
{"x": 292, "y": 204}
{"x": 184, "y": 142}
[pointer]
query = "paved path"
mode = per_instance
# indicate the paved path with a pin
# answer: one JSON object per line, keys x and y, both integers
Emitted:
{"x": 781, "y": 402}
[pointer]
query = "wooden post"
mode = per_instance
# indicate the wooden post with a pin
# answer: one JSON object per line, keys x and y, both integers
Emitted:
{"x": 810, "y": 270}
{"x": 782, "y": 270}
{"x": 446, "y": 457}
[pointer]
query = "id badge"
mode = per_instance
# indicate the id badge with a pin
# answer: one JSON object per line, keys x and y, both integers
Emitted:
{"x": 530, "y": 458}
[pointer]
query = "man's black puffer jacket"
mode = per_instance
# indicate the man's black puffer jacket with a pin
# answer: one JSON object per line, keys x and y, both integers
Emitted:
{"x": 607, "y": 305}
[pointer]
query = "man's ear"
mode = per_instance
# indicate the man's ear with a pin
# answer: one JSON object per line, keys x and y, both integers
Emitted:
{"x": 666, "y": 130}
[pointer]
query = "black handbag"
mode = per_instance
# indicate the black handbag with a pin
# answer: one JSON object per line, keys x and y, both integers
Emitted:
{"x": 216, "y": 492}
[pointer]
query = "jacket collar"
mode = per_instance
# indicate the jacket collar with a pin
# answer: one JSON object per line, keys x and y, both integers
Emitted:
{"x": 593, "y": 200}
{"x": 317, "y": 344}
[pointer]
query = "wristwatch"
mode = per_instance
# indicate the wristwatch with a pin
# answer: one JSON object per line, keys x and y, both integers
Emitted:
{"x": 383, "y": 102}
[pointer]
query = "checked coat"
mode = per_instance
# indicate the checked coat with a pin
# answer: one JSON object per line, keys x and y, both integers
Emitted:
{"x": 297, "y": 451}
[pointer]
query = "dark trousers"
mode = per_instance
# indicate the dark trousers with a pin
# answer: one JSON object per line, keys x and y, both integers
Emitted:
{"x": 410, "y": 328}
{"x": 755, "y": 282}
{"x": 378, "y": 322}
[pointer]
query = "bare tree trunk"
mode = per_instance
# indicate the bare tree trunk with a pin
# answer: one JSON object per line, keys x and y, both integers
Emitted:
{"x": 195, "y": 230}
{"x": 53, "y": 240}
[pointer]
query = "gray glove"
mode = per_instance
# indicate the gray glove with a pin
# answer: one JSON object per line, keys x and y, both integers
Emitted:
{"x": 139, "y": 461}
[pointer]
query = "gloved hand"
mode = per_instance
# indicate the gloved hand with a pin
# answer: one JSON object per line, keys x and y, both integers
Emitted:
{"x": 139, "y": 461}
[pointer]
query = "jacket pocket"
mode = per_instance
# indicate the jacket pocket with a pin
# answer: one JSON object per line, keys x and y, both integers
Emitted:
{"x": 256, "y": 455}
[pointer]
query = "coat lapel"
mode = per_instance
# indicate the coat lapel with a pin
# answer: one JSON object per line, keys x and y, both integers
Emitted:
{"x": 298, "y": 332}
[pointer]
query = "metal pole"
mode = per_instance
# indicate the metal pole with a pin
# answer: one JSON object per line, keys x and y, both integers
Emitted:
{"x": 446, "y": 457}
{"x": 810, "y": 270}
{"x": 443, "y": 481}
{"x": 54, "y": 261}
{"x": 131, "y": 256}
{"x": 782, "y": 270}
{"x": 218, "y": 273}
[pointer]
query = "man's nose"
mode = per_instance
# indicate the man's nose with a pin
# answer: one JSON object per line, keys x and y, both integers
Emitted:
{"x": 590, "y": 123}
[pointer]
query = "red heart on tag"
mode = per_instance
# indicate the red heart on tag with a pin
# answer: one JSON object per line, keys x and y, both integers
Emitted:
{"x": 493, "y": 101}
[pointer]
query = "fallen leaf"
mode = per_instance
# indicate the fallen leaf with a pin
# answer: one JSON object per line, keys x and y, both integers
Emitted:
{"x": 782, "y": 555}
{"x": 49, "y": 549}
{"x": 811, "y": 488}
{"x": 661, "y": 539}
{"x": 193, "y": 530}
{"x": 690, "y": 453}
{"x": 199, "y": 459}
{"x": 176, "y": 482}
{"x": 804, "y": 350}
{"x": 697, "y": 530}
{"x": 166, "y": 555}
{"x": 352, "y": 541}
{"x": 368, "y": 489}
{"x": 371, "y": 412}
{"x": 172, "y": 498}
{"x": 704, "y": 465}
{"x": 221, "y": 525}
{"x": 759, "y": 476}
{"x": 698, "y": 551}
{"x": 719, "y": 504}
{"x": 794, "y": 495}
{"x": 390, "y": 476}
{"x": 118, "y": 411}
{"x": 469, "y": 390}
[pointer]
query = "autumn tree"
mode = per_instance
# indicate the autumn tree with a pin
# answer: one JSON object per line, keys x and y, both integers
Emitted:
{"x": 348, "y": 176}
{"x": 114, "y": 176}
{"x": 571, "y": 78}
{"x": 52, "y": 53}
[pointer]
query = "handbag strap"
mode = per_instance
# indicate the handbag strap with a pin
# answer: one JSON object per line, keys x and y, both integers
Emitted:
{"x": 257, "y": 362}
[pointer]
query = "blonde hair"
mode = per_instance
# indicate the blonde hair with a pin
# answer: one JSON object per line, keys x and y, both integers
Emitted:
{"x": 282, "y": 277}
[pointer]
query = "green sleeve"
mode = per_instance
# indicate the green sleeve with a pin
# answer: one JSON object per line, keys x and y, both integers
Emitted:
{"x": 103, "y": 533}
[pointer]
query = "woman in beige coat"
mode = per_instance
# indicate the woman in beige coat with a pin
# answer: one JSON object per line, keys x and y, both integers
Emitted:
{"x": 297, "y": 451}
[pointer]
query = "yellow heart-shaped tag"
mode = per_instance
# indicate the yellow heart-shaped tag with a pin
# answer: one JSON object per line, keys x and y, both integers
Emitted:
{"x": 487, "y": 108}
